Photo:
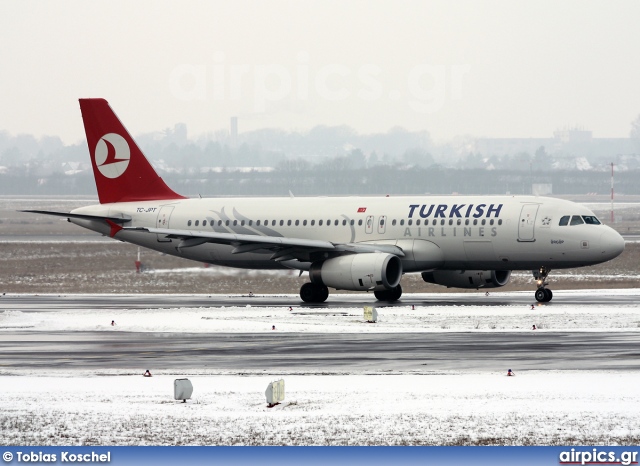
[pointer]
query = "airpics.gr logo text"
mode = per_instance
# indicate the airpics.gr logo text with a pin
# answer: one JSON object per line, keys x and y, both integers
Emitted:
{"x": 112, "y": 155}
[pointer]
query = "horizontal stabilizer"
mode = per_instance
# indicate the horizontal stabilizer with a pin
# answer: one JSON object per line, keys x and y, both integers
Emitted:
{"x": 81, "y": 216}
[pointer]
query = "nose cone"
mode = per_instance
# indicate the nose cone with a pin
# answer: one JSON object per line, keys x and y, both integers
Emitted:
{"x": 611, "y": 244}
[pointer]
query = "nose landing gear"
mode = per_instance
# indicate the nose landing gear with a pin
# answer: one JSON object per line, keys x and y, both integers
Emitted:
{"x": 542, "y": 294}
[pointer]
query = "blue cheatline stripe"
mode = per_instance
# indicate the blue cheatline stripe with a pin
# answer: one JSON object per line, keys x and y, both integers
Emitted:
{"x": 284, "y": 456}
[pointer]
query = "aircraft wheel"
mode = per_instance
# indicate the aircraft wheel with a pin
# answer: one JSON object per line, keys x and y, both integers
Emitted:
{"x": 308, "y": 293}
{"x": 322, "y": 294}
{"x": 396, "y": 293}
{"x": 549, "y": 295}
{"x": 389, "y": 295}
{"x": 313, "y": 293}
{"x": 541, "y": 295}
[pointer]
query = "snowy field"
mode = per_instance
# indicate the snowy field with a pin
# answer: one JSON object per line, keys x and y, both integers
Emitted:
{"x": 118, "y": 407}
{"x": 532, "y": 408}
{"x": 555, "y": 316}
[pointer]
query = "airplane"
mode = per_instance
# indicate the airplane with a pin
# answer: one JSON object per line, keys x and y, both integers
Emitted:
{"x": 346, "y": 243}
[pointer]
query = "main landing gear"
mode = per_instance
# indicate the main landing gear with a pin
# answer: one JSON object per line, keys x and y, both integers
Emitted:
{"x": 314, "y": 293}
{"x": 389, "y": 295}
{"x": 542, "y": 295}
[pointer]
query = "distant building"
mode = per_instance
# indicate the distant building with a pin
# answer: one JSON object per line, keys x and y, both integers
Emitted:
{"x": 576, "y": 142}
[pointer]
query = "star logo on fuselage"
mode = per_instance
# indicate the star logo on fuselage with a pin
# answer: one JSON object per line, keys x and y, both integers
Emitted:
{"x": 112, "y": 155}
{"x": 546, "y": 221}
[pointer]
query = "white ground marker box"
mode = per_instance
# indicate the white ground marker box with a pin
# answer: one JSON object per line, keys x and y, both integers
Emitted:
{"x": 370, "y": 314}
{"x": 275, "y": 392}
{"x": 182, "y": 389}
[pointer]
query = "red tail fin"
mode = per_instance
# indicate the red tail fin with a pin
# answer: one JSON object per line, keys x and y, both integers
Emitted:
{"x": 121, "y": 170}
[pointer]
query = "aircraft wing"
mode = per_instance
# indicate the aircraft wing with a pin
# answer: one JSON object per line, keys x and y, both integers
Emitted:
{"x": 283, "y": 248}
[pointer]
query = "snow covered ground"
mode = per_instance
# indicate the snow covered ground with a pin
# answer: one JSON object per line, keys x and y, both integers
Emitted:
{"x": 117, "y": 407}
{"x": 424, "y": 318}
{"x": 532, "y": 408}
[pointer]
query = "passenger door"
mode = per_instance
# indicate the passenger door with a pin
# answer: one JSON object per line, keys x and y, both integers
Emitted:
{"x": 527, "y": 222}
{"x": 163, "y": 221}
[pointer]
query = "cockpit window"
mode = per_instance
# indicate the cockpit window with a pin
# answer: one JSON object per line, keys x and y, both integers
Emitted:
{"x": 576, "y": 220}
{"x": 564, "y": 221}
{"x": 591, "y": 220}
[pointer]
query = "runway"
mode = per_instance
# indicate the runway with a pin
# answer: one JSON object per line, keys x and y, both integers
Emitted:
{"x": 320, "y": 353}
{"x": 161, "y": 301}
{"x": 416, "y": 344}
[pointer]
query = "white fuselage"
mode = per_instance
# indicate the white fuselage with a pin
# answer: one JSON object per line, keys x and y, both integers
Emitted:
{"x": 468, "y": 232}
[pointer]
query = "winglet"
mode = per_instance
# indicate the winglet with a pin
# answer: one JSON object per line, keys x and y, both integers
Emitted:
{"x": 121, "y": 170}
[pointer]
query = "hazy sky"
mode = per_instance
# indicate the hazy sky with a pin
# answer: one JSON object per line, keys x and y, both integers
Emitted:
{"x": 484, "y": 68}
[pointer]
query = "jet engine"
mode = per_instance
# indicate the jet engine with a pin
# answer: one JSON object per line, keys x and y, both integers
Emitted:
{"x": 358, "y": 272}
{"x": 468, "y": 278}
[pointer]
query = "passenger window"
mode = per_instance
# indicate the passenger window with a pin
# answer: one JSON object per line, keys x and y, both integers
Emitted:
{"x": 288, "y": 223}
{"x": 434, "y": 222}
{"x": 564, "y": 221}
{"x": 219, "y": 222}
{"x": 353, "y": 222}
{"x": 273, "y": 223}
{"x": 281, "y": 222}
{"x": 336, "y": 222}
{"x": 242, "y": 223}
{"x": 576, "y": 220}
{"x": 466, "y": 222}
{"x": 491, "y": 222}
{"x": 459, "y": 222}
{"x": 313, "y": 222}
{"x": 297, "y": 222}
{"x": 500, "y": 222}
{"x": 258, "y": 223}
{"x": 484, "y": 221}
{"x": 360, "y": 222}
{"x": 442, "y": 222}
{"x": 450, "y": 221}
{"x": 250, "y": 222}
{"x": 410, "y": 222}
{"x": 328, "y": 223}
{"x": 235, "y": 223}
{"x": 197, "y": 222}
{"x": 344, "y": 223}
{"x": 591, "y": 220}
{"x": 418, "y": 222}
{"x": 319, "y": 223}
{"x": 226, "y": 223}
{"x": 401, "y": 222}
{"x": 393, "y": 222}
{"x": 304, "y": 223}
{"x": 475, "y": 221}
{"x": 204, "y": 223}
{"x": 189, "y": 223}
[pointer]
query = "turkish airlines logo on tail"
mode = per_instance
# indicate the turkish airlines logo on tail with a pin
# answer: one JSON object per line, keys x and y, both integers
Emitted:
{"x": 112, "y": 155}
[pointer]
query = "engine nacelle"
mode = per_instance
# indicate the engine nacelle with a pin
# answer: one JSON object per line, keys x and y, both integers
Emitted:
{"x": 358, "y": 272}
{"x": 468, "y": 278}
